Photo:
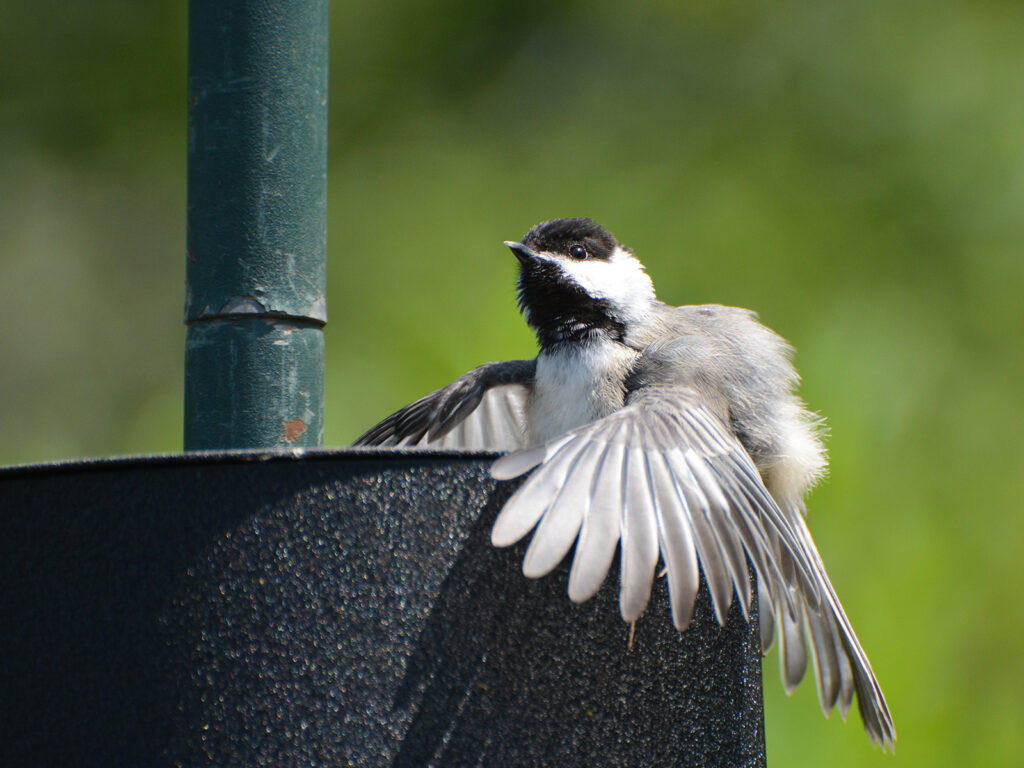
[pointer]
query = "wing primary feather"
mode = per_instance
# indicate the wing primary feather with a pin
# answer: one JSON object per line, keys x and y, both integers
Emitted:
{"x": 512, "y": 416}
{"x": 472, "y": 431}
{"x": 826, "y": 664}
{"x": 766, "y": 615}
{"x": 792, "y": 650}
{"x": 487, "y": 416}
{"x": 676, "y": 543}
{"x": 639, "y": 537}
{"x": 599, "y": 533}
{"x": 846, "y": 682}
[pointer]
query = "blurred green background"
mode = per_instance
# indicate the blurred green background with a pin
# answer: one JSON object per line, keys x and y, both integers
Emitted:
{"x": 852, "y": 170}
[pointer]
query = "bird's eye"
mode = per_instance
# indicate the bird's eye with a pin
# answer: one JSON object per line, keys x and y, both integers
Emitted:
{"x": 578, "y": 252}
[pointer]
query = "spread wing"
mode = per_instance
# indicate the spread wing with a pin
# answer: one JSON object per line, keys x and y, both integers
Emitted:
{"x": 665, "y": 478}
{"x": 484, "y": 409}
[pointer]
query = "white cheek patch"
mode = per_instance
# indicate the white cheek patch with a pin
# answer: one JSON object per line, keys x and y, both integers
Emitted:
{"x": 621, "y": 280}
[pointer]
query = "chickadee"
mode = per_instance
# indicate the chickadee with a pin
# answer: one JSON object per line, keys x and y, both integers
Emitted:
{"x": 668, "y": 432}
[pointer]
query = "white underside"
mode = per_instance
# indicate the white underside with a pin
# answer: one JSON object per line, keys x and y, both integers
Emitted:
{"x": 576, "y": 386}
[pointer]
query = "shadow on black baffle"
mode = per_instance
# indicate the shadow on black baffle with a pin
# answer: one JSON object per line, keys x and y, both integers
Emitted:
{"x": 338, "y": 608}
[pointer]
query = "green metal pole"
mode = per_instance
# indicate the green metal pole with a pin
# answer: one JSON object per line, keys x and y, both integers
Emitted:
{"x": 257, "y": 190}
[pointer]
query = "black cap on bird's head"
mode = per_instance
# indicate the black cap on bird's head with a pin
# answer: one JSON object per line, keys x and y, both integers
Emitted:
{"x": 575, "y": 238}
{"x": 576, "y": 282}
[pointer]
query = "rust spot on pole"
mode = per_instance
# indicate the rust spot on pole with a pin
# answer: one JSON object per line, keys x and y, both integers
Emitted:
{"x": 293, "y": 429}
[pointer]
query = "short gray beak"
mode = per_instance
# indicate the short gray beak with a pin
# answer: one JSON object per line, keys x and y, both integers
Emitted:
{"x": 524, "y": 254}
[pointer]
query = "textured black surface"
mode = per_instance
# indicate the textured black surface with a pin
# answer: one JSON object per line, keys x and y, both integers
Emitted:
{"x": 339, "y": 609}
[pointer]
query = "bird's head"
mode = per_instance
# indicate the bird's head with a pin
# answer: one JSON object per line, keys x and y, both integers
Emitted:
{"x": 577, "y": 282}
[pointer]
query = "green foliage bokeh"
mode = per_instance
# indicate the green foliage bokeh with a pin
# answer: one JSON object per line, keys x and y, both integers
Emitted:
{"x": 852, "y": 170}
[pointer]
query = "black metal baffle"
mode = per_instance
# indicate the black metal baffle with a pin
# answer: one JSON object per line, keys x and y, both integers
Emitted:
{"x": 327, "y": 609}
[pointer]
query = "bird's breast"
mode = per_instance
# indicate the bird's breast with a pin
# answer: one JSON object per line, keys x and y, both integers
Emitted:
{"x": 575, "y": 385}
